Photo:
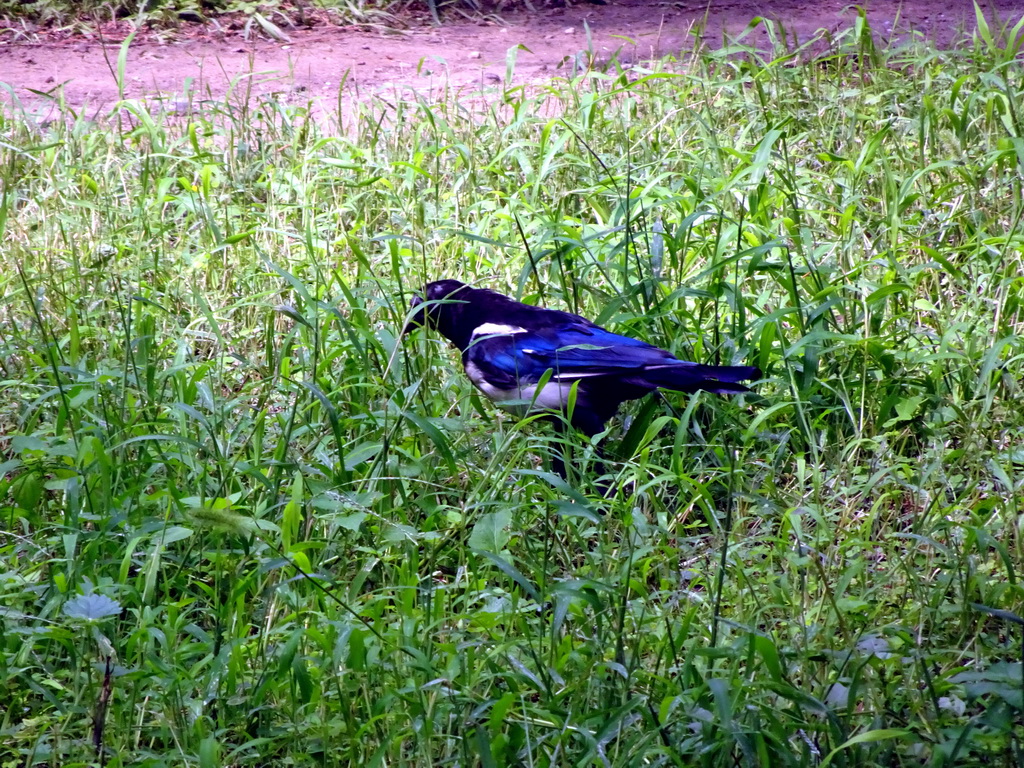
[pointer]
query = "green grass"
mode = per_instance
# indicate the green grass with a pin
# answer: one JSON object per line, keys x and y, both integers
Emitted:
{"x": 24, "y": 19}
{"x": 245, "y": 523}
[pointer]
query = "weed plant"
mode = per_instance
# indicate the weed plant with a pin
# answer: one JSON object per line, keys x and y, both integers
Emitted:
{"x": 246, "y": 523}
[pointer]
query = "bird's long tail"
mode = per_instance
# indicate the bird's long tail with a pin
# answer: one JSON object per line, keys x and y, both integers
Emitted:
{"x": 691, "y": 377}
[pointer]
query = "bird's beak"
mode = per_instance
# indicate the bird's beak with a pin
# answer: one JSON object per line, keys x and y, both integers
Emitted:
{"x": 418, "y": 318}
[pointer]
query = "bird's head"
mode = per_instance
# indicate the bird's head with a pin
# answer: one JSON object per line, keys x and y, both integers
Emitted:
{"x": 442, "y": 305}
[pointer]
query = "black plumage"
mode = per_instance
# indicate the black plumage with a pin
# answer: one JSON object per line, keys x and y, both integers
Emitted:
{"x": 508, "y": 348}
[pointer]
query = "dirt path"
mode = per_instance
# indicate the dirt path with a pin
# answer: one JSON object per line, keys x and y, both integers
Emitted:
{"x": 461, "y": 54}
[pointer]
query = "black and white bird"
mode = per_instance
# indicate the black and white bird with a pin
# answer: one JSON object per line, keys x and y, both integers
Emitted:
{"x": 509, "y": 348}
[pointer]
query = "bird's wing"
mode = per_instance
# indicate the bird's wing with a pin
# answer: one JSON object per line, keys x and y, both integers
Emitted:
{"x": 572, "y": 351}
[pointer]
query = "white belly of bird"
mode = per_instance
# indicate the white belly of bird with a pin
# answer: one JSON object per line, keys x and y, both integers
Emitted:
{"x": 553, "y": 396}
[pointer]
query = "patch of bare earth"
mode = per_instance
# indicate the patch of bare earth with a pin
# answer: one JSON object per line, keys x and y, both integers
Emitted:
{"x": 312, "y": 63}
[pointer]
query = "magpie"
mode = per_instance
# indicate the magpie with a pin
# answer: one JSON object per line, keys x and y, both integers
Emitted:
{"x": 528, "y": 358}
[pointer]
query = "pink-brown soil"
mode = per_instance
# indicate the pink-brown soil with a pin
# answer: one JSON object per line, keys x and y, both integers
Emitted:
{"x": 462, "y": 54}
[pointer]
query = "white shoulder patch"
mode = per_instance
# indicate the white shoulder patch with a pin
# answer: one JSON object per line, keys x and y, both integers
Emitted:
{"x": 488, "y": 329}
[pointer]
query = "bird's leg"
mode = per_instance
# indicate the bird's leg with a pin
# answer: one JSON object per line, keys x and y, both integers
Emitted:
{"x": 560, "y": 459}
{"x": 558, "y": 456}
{"x": 600, "y": 470}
